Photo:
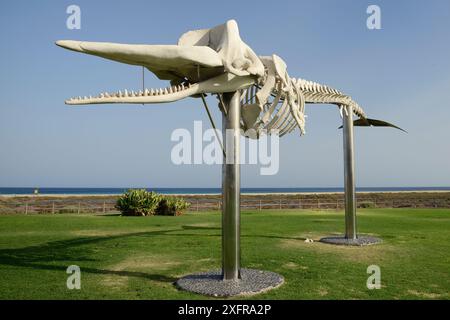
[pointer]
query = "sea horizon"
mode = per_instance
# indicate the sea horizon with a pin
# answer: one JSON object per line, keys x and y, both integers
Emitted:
{"x": 205, "y": 190}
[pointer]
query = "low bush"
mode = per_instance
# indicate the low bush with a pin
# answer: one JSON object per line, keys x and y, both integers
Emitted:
{"x": 138, "y": 203}
{"x": 172, "y": 206}
{"x": 367, "y": 205}
{"x": 68, "y": 210}
{"x": 144, "y": 203}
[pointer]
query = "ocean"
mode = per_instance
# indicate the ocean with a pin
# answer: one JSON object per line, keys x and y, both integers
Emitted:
{"x": 113, "y": 191}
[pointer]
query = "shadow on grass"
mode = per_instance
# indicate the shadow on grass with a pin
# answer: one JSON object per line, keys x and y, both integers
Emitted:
{"x": 74, "y": 250}
{"x": 188, "y": 227}
{"x": 77, "y": 250}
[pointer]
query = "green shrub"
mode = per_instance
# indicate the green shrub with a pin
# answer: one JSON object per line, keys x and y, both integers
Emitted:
{"x": 172, "y": 206}
{"x": 138, "y": 203}
{"x": 68, "y": 210}
{"x": 141, "y": 202}
{"x": 367, "y": 205}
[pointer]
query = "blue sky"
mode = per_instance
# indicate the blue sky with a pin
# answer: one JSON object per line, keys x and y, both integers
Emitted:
{"x": 400, "y": 73}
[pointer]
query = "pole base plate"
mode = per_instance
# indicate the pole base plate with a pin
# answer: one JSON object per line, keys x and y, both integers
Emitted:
{"x": 361, "y": 240}
{"x": 210, "y": 283}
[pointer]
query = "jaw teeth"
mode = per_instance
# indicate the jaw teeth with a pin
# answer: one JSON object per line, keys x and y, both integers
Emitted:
{"x": 140, "y": 93}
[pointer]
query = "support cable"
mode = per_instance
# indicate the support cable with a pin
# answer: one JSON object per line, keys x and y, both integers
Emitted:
{"x": 143, "y": 81}
{"x": 212, "y": 123}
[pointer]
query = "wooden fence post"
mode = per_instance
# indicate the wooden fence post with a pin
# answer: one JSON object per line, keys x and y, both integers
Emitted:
{"x": 79, "y": 207}
{"x": 104, "y": 207}
{"x": 53, "y": 207}
{"x": 26, "y": 208}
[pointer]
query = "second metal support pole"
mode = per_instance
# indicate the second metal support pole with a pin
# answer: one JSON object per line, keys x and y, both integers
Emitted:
{"x": 349, "y": 175}
{"x": 231, "y": 187}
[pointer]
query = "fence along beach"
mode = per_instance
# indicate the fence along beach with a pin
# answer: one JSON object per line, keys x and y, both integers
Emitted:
{"x": 328, "y": 200}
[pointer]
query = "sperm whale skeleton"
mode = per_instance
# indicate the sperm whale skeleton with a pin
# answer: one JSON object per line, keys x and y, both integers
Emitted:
{"x": 256, "y": 96}
{"x": 215, "y": 61}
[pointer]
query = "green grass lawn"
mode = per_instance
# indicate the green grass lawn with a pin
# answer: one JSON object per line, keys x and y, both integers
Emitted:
{"x": 141, "y": 257}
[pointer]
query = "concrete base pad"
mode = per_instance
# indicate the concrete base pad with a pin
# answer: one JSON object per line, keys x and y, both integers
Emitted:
{"x": 211, "y": 284}
{"x": 360, "y": 241}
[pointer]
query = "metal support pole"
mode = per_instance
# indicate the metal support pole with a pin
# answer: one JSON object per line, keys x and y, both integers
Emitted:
{"x": 349, "y": 175}
{"x": 231, "y": 188}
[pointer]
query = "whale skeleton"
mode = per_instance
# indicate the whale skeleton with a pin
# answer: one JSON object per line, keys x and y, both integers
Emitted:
{"x": 216, "y": 61}
{"x": 256, "y": 94}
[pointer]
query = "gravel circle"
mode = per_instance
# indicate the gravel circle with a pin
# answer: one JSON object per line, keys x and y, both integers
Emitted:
{"x": 360, "y": 241}
{"x": 211, "y": 284}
